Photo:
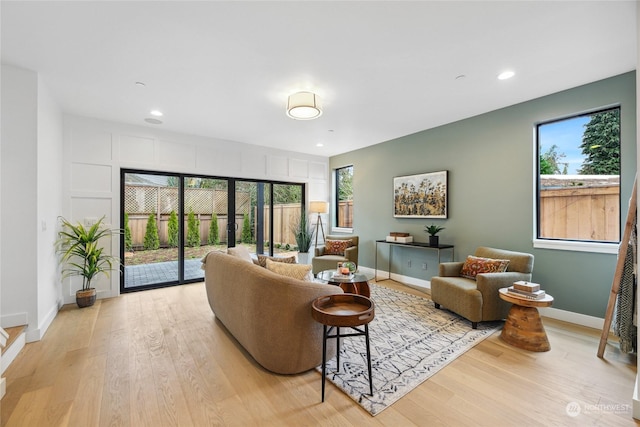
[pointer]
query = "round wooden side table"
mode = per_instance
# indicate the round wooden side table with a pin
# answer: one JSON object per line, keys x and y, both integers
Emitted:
{"x": 343, "y": 310}
{"x": 356, "y": 283}
{"x": 523, "y": 327}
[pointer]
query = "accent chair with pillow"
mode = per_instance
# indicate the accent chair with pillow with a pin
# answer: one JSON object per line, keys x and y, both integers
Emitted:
{"x": 470, "y": 288}
{"x": 336, "y": 248}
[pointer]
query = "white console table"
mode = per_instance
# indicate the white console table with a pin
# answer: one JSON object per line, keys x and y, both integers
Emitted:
{"x": 412, "y": 245}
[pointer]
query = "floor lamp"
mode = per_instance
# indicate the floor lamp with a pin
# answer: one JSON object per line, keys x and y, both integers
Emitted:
{"x": 321, "y": 208}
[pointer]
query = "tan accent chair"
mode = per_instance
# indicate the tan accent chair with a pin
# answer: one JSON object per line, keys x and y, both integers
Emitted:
{"x": 478, "y": 300}
{"x": 321, "y": 262}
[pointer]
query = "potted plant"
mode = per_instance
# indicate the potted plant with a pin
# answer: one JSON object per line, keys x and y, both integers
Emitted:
{"x": 302, "y": 231}
{"x": 433, "y": 231}
{"x": 81, "y": 255}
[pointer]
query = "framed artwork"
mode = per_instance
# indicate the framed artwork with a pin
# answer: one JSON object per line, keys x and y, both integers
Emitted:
{"x": 420, "y": 196}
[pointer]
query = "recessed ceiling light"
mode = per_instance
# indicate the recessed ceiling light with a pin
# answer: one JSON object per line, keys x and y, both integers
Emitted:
{"x": 156, "y": 113}
{"x": 153, "y": 121}
{"x": 319, "y": 144}
{"x": 460, "y": 77}
{"x": 140, "y": 84}
{"x": 506, "y": 75}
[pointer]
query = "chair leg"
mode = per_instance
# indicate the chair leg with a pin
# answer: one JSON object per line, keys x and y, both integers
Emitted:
{"x": 436, "y": 304}
{"x": 366, "y": 332}
{"x": 474, "y": 325}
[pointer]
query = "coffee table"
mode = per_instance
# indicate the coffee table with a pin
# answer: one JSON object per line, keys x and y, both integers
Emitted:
{"x": 355, "y": 283}
{"x": 523, "y": 327}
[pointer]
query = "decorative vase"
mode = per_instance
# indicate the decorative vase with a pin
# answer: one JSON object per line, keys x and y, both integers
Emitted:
{"x": 303, "y": 258}
{"x": 434, "y": 240}
{"x": 86, "y": 298}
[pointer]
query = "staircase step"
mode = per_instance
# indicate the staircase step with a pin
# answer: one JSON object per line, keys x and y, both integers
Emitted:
{"x": 14, "y": 333}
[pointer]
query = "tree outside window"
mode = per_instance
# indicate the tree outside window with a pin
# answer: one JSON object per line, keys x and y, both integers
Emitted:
{"x": 344, "y": 197}
{"x": 579, "y": 177}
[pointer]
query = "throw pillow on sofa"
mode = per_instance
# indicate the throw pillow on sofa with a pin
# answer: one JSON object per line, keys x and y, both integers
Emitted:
{"x": 296, "y": 271}
{"x": 262, "y": 260}
{"x": 474, "y": 265}
{"x": 240, "y": 252}
{"x": 336, "y": 247}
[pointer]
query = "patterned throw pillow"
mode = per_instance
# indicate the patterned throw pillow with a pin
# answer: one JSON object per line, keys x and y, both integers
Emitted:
{"x": 262, "y": 260}
{"x": 296, "y": 271}
{"x": 336, "y": 247}
{"x": 475, "y": 265}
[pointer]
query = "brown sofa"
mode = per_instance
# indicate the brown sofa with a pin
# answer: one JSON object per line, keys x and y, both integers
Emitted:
{"x": 478, "y": 300}
{"x": 269, "y": 314}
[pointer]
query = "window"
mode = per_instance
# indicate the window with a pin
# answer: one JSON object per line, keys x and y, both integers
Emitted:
{"x": 344, "y": 197}
{"x": 578, "y": 182}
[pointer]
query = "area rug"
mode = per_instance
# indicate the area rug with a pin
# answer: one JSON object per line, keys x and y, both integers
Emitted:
{"x": 410, "y": 341}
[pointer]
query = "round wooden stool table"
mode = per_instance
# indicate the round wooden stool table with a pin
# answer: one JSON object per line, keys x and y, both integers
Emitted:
{"x": 523, "y": 327}
{"x": 343, "y": 310}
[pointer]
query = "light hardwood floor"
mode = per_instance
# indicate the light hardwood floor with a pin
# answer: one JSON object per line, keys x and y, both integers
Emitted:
{"x": 159, "y": 358}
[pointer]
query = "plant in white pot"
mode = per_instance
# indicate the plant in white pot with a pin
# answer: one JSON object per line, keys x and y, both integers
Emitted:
{"x": 82, "y": 255}
{"x": 303, "y": 232}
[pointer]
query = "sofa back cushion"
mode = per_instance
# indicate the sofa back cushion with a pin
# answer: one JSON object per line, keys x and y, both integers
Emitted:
{"x": 296, "y": 271}
{"x": 262, "y": 260}
{"x": 520, "y": 262}
{"x": 240, "y": 252}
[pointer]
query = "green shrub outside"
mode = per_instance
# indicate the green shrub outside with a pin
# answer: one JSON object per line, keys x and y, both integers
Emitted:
{"x": 151, "y": 238}
{"x": 172, "y": 230}
{"x": 128, "y": 240}
{"x": 193, "y": 230}
{"x": 246, "y": 229}
{"x": 214, "y": 233}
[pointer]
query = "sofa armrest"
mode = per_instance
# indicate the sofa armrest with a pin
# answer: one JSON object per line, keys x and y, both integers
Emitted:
{"x": 450, "y": 269}
{"x": 319, "y": 251}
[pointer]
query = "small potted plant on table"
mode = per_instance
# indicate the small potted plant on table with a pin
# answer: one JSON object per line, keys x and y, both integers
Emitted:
{"x": 80, "y": 255}
{"x": 433, "y": 231}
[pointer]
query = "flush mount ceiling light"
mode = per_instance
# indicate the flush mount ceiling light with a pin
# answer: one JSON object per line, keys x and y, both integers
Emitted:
{"x": 506, "y": 75}
{"x": 156, "y": 113}
{"x": 304, "y": 106}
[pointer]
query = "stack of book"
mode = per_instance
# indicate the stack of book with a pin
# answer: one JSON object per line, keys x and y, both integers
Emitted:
{"x": 396, "y": 236}
{"x": 526, "y": 290}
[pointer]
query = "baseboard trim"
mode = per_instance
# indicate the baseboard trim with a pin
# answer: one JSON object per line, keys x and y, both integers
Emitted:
{"x": 553, "y": 313}
{"x": 15, "y": 319}
{"x": 635, "y": 403}
{"x": 571, "y": 317}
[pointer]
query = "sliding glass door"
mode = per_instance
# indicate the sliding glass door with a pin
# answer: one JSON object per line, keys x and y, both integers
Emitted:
{"x": 172, "y": 221}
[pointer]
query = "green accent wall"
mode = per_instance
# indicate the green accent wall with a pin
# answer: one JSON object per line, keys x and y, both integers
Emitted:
{"x": 491, "y": 163}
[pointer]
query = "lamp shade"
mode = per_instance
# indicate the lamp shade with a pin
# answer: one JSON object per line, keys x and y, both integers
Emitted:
{"x": 319, "y": 207}
{"x": 304, "y": 106}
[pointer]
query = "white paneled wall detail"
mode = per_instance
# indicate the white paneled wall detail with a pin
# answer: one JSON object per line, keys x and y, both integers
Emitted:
{"x": 91, "y": 178}
{"x": 136, "y": 149}
{"x": 298, "y": 168}
{"x": 97, "y": 150}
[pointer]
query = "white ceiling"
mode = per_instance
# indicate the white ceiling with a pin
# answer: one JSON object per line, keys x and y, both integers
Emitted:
{"x": 383, "y": 69}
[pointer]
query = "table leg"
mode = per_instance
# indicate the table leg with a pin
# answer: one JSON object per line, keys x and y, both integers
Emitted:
{"x": 366, "y": 333}
{"x": 324, "y": 358}
{"x": 523, "y": 329}
{"x": 337, "y": 349}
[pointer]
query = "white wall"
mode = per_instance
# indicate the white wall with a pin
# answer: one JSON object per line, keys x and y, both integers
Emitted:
{"x": 19, "y": 203}
{"x": 96, "y": 150}
{"x": 31, "y": 195}
{"x": 49, "y": 197}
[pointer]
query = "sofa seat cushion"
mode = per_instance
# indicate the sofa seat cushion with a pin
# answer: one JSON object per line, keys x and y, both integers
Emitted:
{"x": 477, "y": 265}
{"x": 459, "y": 295}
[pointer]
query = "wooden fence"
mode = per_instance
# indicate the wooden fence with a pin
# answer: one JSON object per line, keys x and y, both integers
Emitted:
{"x": 582, "y": 213}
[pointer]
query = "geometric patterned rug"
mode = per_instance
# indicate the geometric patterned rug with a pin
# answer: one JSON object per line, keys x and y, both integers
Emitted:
{"x": 410, "y": 341}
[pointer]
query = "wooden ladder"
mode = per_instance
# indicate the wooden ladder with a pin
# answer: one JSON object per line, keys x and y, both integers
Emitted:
{"x": 617, "y": 276}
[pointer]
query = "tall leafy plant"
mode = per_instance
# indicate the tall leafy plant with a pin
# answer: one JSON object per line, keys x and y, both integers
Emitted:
{"x": 193, "y": 230}
{"x": 151, "y": 237}
{"x": 81, "y": 253}
{"x": 303, "y": 232}
{"x": 214, "y": 231}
